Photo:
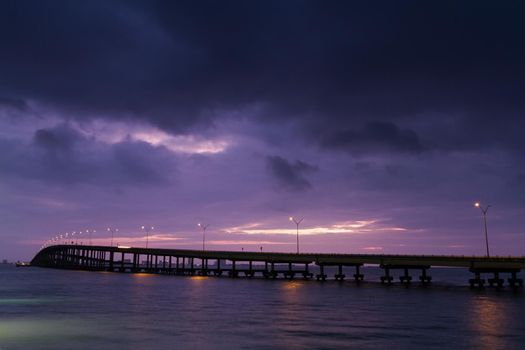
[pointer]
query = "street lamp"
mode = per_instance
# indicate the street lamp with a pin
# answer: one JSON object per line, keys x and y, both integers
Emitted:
{"x": 297, "y": 222}
{"x": 147, "y": 229}
{"x": 90, "y": 234}
{"x": 113, "y": 230}
{"x": 78, "y": 239}
{"x": 203, "y": 227}
{"x": 484, "y": 212}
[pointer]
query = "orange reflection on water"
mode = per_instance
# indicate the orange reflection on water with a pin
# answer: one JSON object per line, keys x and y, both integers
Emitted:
{"x": 489, "y": 320}
{"x": 142, "y": 275}
{"x": 292, "y": 285}
{"x": 292, "y": 315}
{"x": 198, "y": 278}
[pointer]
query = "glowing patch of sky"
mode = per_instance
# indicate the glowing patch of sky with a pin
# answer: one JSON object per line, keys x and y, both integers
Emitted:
{"x": 115, "y": 132}
{"x": 337, "y": 228}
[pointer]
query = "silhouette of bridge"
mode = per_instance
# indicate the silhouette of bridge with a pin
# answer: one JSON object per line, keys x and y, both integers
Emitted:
{"x": 273, "y": 265}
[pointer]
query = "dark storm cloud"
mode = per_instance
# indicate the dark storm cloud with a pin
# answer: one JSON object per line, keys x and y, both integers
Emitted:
{"x": 326, "y": 65}
{"x": 290, "y": 176}
{"x": 373, "y": 137}
{"x": 15, "y": 103}
{"x": 58, "y": 139}
{"x": 62, "y": 155}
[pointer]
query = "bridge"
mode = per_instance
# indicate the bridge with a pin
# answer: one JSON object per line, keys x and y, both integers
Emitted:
{"x": 274, "y": 265}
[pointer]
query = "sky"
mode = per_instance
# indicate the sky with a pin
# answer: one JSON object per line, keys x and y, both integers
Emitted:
{"x": 379, "y": 123}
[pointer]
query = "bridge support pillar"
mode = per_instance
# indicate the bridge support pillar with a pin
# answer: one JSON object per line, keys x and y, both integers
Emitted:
{"x": 387, "y": 278}
{"x": 321, "y": 276}
{"x": 204, "y": 267}
{"x": 307, "y": 274}
{"x": 233, "y": 273}
{"x": 250, "y": 273}
{"x": 204, "y": 270}
{"x": 339, "y": 276}
{"x": 515, "y": 282}
{"x": 358, "y": 277}
{"x": 121, "y": 269}
{"x": 265, "y": 272}
{"x": 273, "y": 273}
{"x": 477, "y": 281}
{"x": 290, "y": 273}
{"x": 269, "y": 273}
{"x": 218, "y": 270}
{"x": 406, "y": 278}
{"x": 497, "y": 281}
{"x": 424, "y": 278}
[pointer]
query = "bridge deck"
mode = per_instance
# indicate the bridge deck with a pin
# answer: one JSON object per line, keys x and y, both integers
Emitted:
{"x": 322, "y": 258}
{"x": 182, "y": 261}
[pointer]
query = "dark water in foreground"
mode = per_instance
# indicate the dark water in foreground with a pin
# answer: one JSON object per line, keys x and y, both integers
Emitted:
{"x": 53, "y": 309}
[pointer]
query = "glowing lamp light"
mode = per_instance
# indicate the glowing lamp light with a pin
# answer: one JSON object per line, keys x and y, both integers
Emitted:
{"x": 296, "y": 222}
{"x": 147, "y": 229}
{"x": 203, "y": 227}
{"x": 484, "y": 212}
{"x": 113, "y": 231}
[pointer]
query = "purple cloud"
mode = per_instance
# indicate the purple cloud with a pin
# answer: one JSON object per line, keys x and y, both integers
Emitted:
{"x": 167, "y": 114}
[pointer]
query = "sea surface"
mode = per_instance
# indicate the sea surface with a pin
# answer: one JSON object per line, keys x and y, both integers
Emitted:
{"x": 55, "y": 309}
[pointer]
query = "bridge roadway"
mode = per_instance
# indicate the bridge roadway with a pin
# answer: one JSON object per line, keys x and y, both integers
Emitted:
{"x": 270, "y": 265}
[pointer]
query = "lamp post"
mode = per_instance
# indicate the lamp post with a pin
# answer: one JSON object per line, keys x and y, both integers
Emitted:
{"x": 90, "y": 234}
{"x": 297, "y": 222}
{"x": 203, "y": 227}
{"x": 484, "y": 213}
{"x": 113, "y": 230}
{"x": 147, "y": 229}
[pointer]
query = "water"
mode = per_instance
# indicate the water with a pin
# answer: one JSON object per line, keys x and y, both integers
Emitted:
{"x": 55, "y": 309}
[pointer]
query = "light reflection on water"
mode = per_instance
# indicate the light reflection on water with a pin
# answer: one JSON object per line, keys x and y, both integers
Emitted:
{"x": 26, "y": 301}
{"x": 53, "y": 309}
{"x": 27, "y": 332}
{"x": 489, "y": 320}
